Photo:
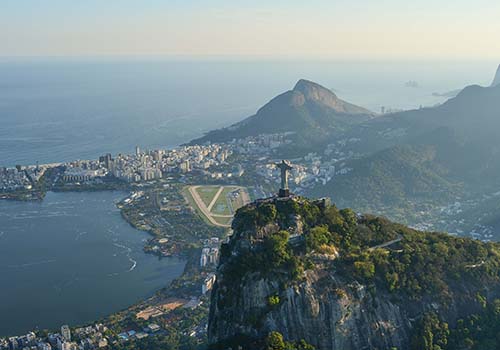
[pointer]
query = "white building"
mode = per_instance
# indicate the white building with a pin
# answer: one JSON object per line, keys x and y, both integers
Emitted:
{"x": 66, "y": 333}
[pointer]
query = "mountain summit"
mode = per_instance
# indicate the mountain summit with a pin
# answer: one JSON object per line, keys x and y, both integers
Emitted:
{"x": 496, "y": 81}
{"x": 309, "y": 110}
{"x": 313, "y": 92}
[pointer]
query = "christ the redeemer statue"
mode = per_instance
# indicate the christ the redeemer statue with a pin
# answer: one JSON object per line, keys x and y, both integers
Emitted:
{"x": 285, "y": 167}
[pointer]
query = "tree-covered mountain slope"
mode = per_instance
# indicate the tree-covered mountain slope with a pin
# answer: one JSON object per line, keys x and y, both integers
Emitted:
{"x": 398, "y": 178}
{"x": 306, "y": 273}
{"x": 423, "y": 158}
{"x": 473, "y": 116}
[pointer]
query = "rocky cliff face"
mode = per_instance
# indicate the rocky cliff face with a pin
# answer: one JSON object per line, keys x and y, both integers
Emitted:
{"x": 330, "y": 304}
{"x": 322, "y": 310}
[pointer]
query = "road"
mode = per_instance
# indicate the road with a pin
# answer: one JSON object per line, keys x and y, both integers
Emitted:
{"x": 386, "y": 244}
{"x": 476, "y": 265}
{"x": 212, "y": 203}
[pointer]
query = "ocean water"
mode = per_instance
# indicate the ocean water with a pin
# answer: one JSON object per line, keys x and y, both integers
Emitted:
{"x": 55, "y": 110}
{"x": 72, "y": 259}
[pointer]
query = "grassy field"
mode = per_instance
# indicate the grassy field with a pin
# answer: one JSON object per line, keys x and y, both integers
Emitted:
{"x": 207, "y": 193}
{"x": 229, "y": 200}
{"x": 192, "y": 203}
{"x": 222, "y": 205}
{"x": 224, "y": 221}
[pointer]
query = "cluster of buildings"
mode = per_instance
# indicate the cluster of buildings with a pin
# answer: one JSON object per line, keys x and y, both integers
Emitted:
{"x": 29, "y": 341}
{"x": 151, "y": 165}
{"x": 133, "y": 334}
{"x": 84, "y": 338}
{"x": 59, "y": 341}
{"x": 13, "y": 179}
{"x": 313, "y": 168}
{"x": 209, "y": 258}
{"x": 155, "y": 164}
{"x": 21, "y": 177}
{"x": 261, "y": 144}
{"x": 83, "y": 171}
{"x": 210, "y": 252}
{"x": 92, "y": 337}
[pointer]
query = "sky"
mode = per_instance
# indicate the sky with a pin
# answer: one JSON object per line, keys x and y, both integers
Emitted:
{"x": 344, "y": 29}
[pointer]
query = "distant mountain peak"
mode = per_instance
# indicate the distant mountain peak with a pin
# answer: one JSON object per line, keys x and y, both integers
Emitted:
{"x": 496, "y": 81}
{"x": 315, "y": 92}
{"x": 309, "y": 109}
{"x": 311, "y": 89}
{"x": 306, "y": 90}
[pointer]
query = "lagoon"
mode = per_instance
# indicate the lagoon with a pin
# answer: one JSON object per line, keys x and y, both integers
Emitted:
{"x": 71, "y": 259}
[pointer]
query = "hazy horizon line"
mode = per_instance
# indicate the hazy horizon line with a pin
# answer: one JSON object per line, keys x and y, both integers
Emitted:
{"x": 241, "y": 58}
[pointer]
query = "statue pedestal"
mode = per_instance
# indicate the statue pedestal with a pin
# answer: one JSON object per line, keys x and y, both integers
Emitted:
{"x": 284, "y": 193}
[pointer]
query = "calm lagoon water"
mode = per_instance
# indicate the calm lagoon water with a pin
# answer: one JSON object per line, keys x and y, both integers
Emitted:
{"x": 71, "y": 259}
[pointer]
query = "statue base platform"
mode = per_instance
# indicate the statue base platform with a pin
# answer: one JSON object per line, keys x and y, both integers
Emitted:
{"x": 284, "y": 193}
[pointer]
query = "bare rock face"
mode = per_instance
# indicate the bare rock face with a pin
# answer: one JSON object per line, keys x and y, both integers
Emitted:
{"x": 321, "y": 310}
{"x": 496, "y": 81}
{"x": 318, "y": 94}
{"x": 315, "y": 92}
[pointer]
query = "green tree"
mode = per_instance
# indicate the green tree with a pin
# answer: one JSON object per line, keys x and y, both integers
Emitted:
{"x": 316, "y": 237}
{"x": 273, "y": 300}
{"x": 276, "y": 247}
{"x": 364, "y": 269}
{"x": 302, "y": 345}
{"x": 275, "y": 341}
{"x": 430, "y": 334}
{"x": 266, "y": 214}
